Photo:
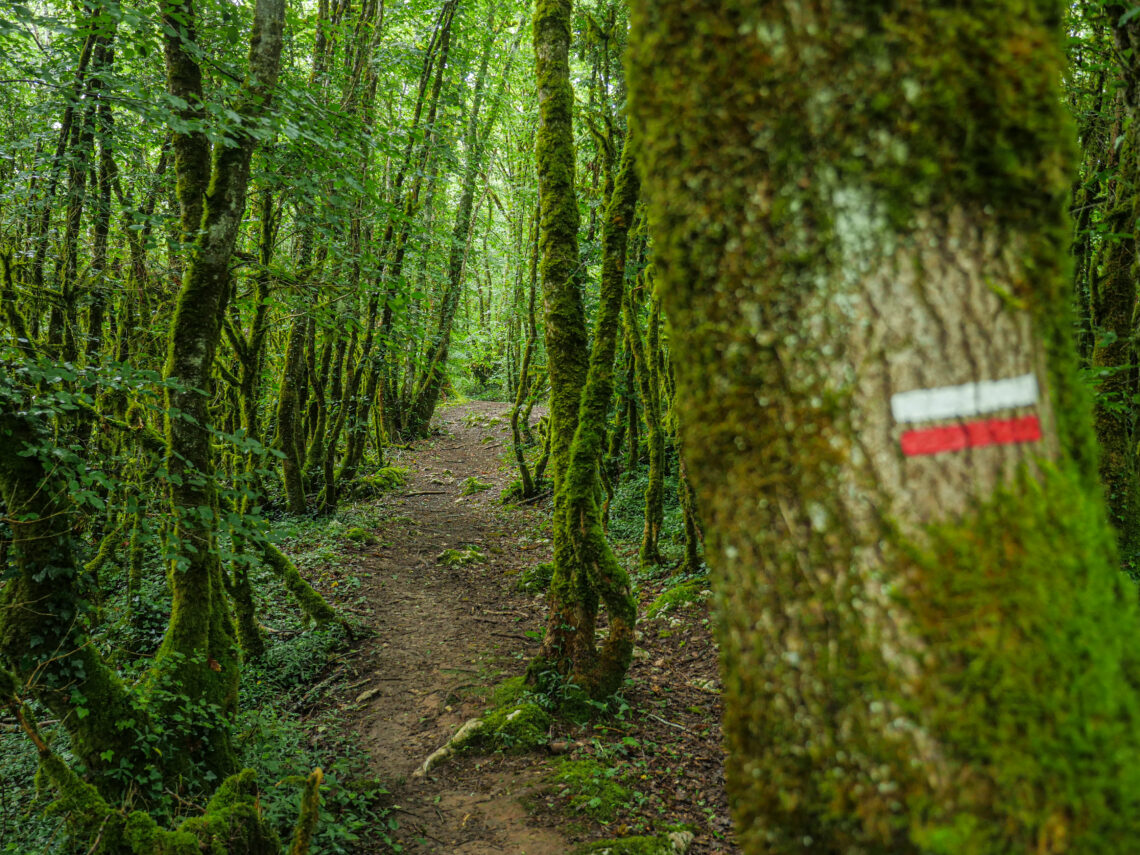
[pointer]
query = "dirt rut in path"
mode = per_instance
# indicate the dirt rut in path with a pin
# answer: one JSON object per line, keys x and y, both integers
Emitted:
{"x": 444, "y": 632}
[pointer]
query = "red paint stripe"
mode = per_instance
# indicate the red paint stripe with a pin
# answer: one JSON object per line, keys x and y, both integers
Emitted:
{"x": 975, "y": 434}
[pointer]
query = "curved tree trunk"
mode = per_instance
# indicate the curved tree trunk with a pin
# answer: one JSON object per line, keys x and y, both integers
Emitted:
{"x": 586, "y": 571}
{"x": 858, "y": 215}
{"x": 290, "y": 440}
{"x": 198, "y": 651}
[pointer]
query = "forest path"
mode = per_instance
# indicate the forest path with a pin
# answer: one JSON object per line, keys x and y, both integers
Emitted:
{"x": 443, "y": 633}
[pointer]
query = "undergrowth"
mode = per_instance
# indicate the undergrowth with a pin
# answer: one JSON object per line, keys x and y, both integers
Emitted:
{"x": 270, "y": 735}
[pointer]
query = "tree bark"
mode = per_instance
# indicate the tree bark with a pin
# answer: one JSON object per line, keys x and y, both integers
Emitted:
{"x": 198, "y": 651}
{"x": 1112, "y": 311}
{"x": 645, "y": 362}
{"x": 920, "y": 615}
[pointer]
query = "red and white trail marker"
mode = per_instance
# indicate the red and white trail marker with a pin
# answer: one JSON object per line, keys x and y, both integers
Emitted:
{"x": 967, "y": 402}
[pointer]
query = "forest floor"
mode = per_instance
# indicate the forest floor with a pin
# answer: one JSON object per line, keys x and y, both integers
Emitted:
{"x": 445, "y": 635}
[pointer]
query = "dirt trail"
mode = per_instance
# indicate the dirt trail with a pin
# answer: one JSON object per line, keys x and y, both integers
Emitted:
{"x": 443, "y": 631}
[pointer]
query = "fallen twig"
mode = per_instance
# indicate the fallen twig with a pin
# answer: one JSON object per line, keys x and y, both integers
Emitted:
{"x": 666, "y": 721}
{"x": 514, "y": 635}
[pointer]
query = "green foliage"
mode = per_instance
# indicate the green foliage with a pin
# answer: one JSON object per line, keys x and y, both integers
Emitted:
{"x": 596, "y": 789}
{"x": 536, "y": 577}
{"x": 25, "y": 824}
{"x": 288, "y": 665}
{"x": 361, "y": 537}
{"x": 138, "y": 626}
{"x": 473, "y": 485}
{"x": 281, "y": 747}
{"x": 627, "y": 511}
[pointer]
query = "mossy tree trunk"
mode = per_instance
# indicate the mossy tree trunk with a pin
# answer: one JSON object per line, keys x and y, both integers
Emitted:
{"x": 1112, "y": 310}
{"x": 62, "y": 324}
{"x": 39, "y": 229}
{"x": 362, "y": 98}
{"x": 586, "y": 572}
{"x": 525, "y": 383}
{"x": 198, "y": 651}
{"x": 923, "y": 632}
{"x": 645, "y": 366}
{"x": 101, "y": 225}
{"x": 250, "y": 350}
{"x": 289, "y": 439}
{"x": 567, "y": 346}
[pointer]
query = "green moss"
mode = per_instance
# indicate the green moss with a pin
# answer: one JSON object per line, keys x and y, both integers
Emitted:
{"x": 586, "y": 572}
{"x": 461, "y": 557}
{"x": 312, "y": 603}
{"x": 648, "y": 384}
{"x": 889, "y": 687}
{"x": 1042, "y": 628}
{"x": 595, "y": 790}
{"x": 361, "y": 537}
{"x": 670, "y": 843}
{"x": 379, "y": 482}
{"x": 231, "y": 825}
{"x": 510, "y": 691}
{"x": 473, "y": 485}
{"x": 690, "y": 591}
{"x": 628, "y": 846}
{"x": 537, "y": 577}
{"x": 517, "y": 728}
{"x": 310, "y": 814}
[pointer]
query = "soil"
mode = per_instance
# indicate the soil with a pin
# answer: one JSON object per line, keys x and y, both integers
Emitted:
{"x": 445, "y": 635}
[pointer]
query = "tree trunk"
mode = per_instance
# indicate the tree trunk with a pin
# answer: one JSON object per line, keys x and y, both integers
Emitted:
{"x": 290, "y": 439}
{"x": 1112, "y": 308}
{"x": 567, "y": 346}
{"x": 198, "y": 651}
{"x": 858, "y": 215}
{"x": 585, "y": 568}
{"x": 645, "y": 361}
{"x": 529, "y": 488}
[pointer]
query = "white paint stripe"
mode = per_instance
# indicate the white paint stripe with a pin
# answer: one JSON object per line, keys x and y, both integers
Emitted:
{"x": 969, "y": 399}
